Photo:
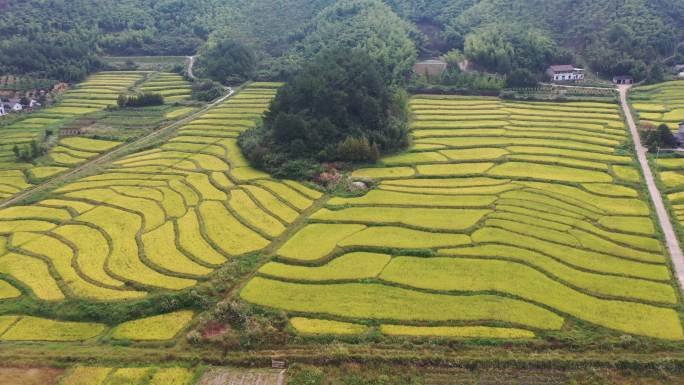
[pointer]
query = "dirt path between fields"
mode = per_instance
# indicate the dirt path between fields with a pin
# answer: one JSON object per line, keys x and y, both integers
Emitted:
{"x": 111, "y": 155}
{"x": 663, "y": 215}
{"x": 191, "y": 64}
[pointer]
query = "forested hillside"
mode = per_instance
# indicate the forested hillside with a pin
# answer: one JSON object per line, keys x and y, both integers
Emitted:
{"x": 61, "y": 39}
{"x": 610, "y": 36}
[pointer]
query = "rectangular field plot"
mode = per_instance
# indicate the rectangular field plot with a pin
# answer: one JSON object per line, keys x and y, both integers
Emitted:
{"x": 505, "y": 220}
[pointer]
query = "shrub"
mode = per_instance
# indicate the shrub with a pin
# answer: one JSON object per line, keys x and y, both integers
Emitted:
{"x": 206, "y": 91}
{"x": 28, "y": 153}
{"x": 307, "y": 376}
{"x": 140, "y": 100}
{"x": 358, "y": 150}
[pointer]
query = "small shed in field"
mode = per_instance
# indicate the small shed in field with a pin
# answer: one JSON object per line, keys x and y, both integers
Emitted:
{"x": 430, "y": 68}
{"x": 71, "y": 131}
{"x": 623, "y": 80}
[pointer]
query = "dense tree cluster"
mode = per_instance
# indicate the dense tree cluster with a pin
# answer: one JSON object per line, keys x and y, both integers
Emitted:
{"x": 503, "y": 49}
{"x": 659, "y": 138}
{"x": 339, "y": 108}
{"x": 28, "y": 153}
{"x": 227, "y": 61}
{"x": 369, "y": 25}
{"x": 611, "y": 36}
{"x": 206, "y": 91}
{"x": 60, "y": 39}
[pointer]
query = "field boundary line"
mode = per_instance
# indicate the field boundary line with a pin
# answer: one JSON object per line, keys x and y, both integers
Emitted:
{"x": 104, "y": 157}
{"x": 671, "y": 240}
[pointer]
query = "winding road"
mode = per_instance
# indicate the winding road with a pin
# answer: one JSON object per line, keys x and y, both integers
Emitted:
{"x": 657, "y": 198}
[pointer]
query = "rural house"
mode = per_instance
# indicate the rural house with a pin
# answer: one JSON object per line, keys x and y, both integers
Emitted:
{"x": 565, "y": 73}
{"x": 15, "y": 105}
{"x": 623, "y": 80}
{"x": 430, "y": 68}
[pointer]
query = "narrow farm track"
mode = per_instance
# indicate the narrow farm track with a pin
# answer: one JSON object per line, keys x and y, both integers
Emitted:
{"x": 191, "y": 64}
{"x": 109, "y": 156}
{"x": 662, "y": 213}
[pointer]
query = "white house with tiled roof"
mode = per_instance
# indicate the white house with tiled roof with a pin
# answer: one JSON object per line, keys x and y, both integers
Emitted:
{"x": 565, "y": 73}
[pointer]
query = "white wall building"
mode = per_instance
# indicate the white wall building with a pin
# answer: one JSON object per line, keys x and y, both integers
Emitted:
{"x": 565, "y": 73}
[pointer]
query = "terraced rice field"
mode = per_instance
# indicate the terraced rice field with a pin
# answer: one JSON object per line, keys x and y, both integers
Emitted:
{"x": 164, "y": 327}
{"x": 163, "y": 219}
{"x": 664, "y": 103}
{"x": 76, "y": 150}
{"x": 505, "y": 220}
{"x": 670, "y": 172}
{"x": 172, "y": 86}
{"x": 660, "y": 103}
{"x": 93, "y": 95}
{"x": 100, "y": 375}
{"x": 169, "y": 375}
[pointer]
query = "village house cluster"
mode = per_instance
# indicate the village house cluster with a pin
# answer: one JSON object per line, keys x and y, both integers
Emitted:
{"x": 17, "y": 105}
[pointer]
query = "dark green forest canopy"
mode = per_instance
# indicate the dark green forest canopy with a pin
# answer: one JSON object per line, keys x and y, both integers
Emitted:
{"x": 62, "y": 38}
{"x": 610, "y": 36}
{"x": 340, "y": 107}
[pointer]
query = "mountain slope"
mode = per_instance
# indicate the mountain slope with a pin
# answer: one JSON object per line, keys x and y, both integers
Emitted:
{"x": 60, "y": 39}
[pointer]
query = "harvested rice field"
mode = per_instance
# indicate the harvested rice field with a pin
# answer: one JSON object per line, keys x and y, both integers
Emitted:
{"x": 524, "y": 223}
{"x": 172, "y": 86}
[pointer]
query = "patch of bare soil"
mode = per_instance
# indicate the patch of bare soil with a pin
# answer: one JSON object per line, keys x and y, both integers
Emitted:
{"x": 29, "y": 376}
{"x": 224, "y": 376}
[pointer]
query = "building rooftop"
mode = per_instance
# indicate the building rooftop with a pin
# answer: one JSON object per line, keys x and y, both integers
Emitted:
{"x": 432, "y": 61}
{"x": 563, "y": 68}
